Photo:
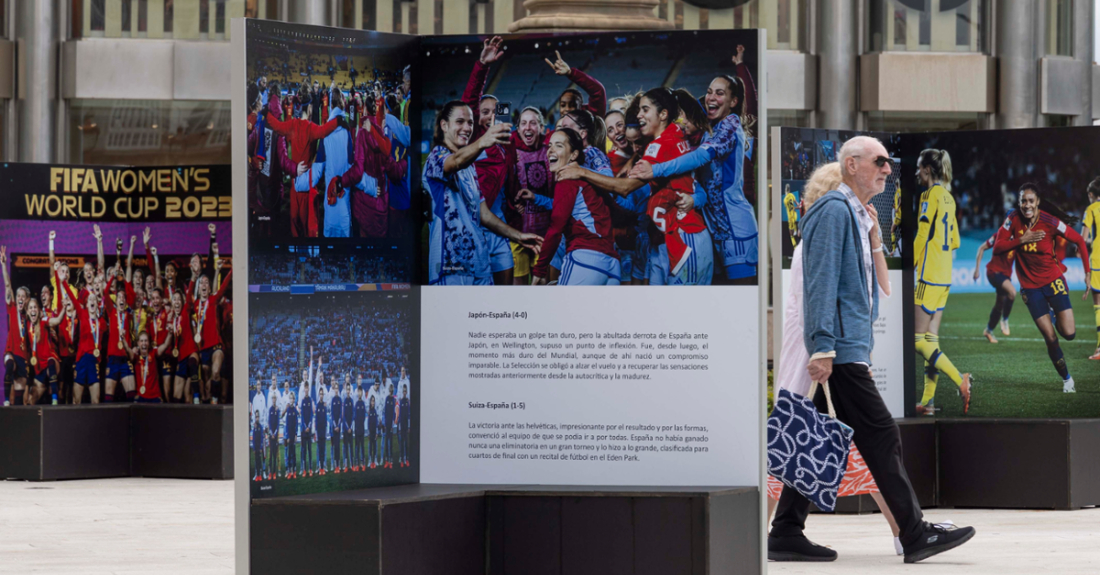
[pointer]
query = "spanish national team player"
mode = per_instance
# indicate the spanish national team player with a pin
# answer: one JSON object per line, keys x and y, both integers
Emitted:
{"x": 1092, "y": 226}
{"x": 1032, "y": 233}
{"x": 937, "y": 239}
{"x": 999, "y": 273}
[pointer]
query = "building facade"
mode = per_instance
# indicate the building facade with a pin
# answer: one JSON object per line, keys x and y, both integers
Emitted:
{"x": 148, "y": 81}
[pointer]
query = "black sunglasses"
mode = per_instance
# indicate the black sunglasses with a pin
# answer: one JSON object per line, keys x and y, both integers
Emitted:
{"x": 880, "y": 161}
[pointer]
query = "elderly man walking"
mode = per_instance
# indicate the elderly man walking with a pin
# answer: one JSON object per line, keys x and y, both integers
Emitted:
{"x": 840, "y": 306}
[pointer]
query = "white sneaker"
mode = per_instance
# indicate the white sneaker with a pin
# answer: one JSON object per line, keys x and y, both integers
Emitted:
{"x": 1067, "y": 386}
{"x": 1004, "y": 327}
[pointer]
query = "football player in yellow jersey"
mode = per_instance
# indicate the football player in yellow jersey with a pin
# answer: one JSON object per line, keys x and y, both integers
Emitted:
{"x": 792, "y": 205}
{"x": 1092, "y": 227}
{"x": 935, "y": 244}
{"x": 897, "y": 220}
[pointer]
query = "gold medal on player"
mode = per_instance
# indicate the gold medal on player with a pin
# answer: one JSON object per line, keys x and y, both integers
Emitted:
{"x": 175, "y": 353}
{"x": 120, "y": 344}
{"x": 95, "y": 352}
{"x": 198, "y": 339}
{"x": 142, "y": 390}
{"x": 34, "y": 361}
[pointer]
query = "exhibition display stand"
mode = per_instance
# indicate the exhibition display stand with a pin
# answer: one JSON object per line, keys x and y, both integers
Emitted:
{"x": 477, "y": 529}
{"x": 1019, "y": 463}
{"x": 93, "y": 441}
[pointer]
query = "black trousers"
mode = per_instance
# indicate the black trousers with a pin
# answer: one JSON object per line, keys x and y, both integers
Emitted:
{"x": 858, "y": 404}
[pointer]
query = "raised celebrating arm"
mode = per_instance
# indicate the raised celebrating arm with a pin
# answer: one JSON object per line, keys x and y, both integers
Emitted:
{"x": 130, "y": 260}
{"x": 9, "y": 295}
{"x": 100, "y": 260}
{"x": 497, "y": 134}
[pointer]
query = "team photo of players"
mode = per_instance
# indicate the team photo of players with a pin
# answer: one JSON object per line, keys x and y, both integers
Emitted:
{"x": 598, "y": 160}
{"x": 152, "y": 328}
{"x": 1021, "y": 208}
{"x": 331, "y": 391}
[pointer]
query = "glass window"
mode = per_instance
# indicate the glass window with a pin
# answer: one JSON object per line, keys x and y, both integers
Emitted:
{"x": 785, "y": 20}
{"x": 183, "y": 19}
{"x": 1060, "y": 27}
{"x": 925, "y": 121}
{"x": 926, "y": 26}
{"x": 149, "y": 132}
{"x": 788, "y": 118}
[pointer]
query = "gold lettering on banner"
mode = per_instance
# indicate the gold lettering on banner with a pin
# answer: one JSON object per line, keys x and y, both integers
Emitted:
{"x": 127, "y": 188}
{"x": 57, "y": 176}
{"x": 143, "y": 179}
{"x": 180, "y": 181}
{"x": 110, "y": 180}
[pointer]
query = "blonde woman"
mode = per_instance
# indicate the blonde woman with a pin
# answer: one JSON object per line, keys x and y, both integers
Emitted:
{"x": 792, "y": 374}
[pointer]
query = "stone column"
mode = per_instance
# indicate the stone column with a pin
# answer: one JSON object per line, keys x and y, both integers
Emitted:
{"x": 837, "y": 53}
{"x": 1018, "y": 54}
{"x": 589, "y": 15}
{"x": 36, "y": 33}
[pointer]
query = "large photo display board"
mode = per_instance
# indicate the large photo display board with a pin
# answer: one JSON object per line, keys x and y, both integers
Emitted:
{"x": 117, "y": 282}
{"x": 798, "y": 154}
{"x": 485, "y": 169}
{"x": 593, "y": 162}
{"x": 1005, "y": 315}
{"x": 994, "y": 234}
{"x": 332, "y": 323}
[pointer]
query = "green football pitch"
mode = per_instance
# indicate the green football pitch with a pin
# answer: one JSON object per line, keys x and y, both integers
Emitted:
{"x": 1015, "y": 377}
{"x": 330, "y": 481}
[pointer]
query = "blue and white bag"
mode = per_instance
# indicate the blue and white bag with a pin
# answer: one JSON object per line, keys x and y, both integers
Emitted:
{"x": 808, "y": 450}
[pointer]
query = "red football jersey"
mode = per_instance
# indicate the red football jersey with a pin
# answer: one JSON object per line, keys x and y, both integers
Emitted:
{"x": 157, "y": 327}
{"x": 206, "y": 316}
{"x": 40, "y": 343}
{"x": 145, "y": 376}
{"x": 120, "y": 320}
{"x": 582, "y": 216}
{"x": 618, "y": 159}
{"x": 1001, "y": 263}
{"x": 1037, "y": 264}
{"x": 92, "y": 333}
{"x": 670, "y": 145}
{"x": 17, "y": 331}
{"x": 67, "y": 332}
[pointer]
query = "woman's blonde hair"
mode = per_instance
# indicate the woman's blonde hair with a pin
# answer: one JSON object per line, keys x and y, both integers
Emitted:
{"x": 824, "y": 179}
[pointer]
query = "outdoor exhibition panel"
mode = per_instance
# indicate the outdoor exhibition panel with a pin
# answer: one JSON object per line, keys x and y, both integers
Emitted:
{"x": 984, "y": 224}
{"x": 117, "y": 284}
{"x": 389, "y": 186}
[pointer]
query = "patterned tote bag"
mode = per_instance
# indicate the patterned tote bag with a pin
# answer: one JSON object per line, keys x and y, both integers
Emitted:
{"x": 808, "y": 450}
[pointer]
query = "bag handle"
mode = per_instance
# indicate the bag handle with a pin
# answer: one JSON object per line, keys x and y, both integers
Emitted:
{"x": 828, "y": 396}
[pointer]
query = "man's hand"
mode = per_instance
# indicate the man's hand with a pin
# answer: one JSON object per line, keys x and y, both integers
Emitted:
{"x": 302, "y": 168}
{"x": 496, "y": 134}
{"x": 492, "y": 49}
{"x": 820, "y": 369}
{"x": 1032, "y": 236}
{"x": 559, "y": 66}
{"x": 643, "y": 170}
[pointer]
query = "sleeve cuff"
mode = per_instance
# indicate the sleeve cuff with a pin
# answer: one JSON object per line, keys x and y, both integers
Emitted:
{"x": 823, "y": 355}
